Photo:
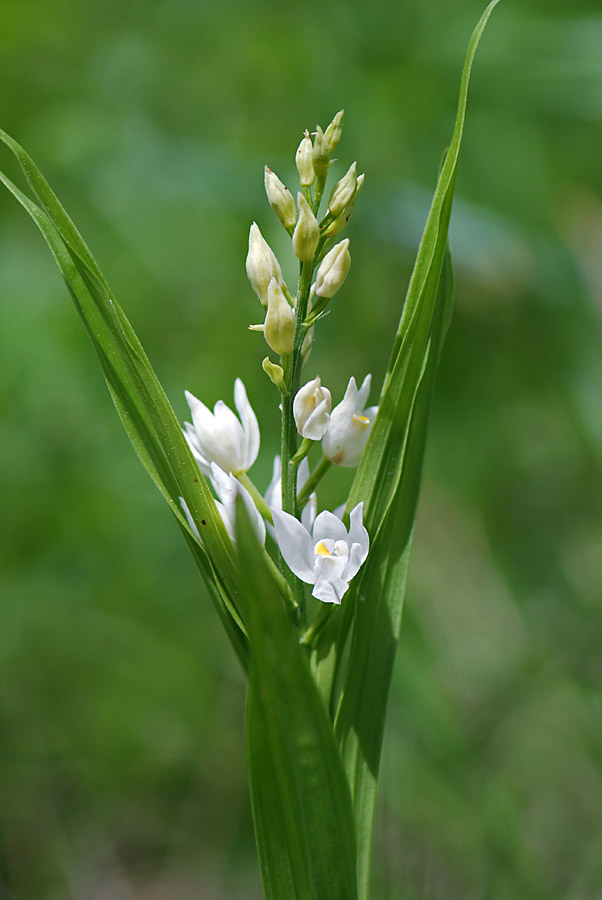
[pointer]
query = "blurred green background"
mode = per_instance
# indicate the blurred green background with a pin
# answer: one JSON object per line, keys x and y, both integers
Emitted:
{"x": 122, "y": 759}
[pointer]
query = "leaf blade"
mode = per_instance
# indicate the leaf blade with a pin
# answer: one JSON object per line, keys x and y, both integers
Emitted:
{"x": 300, "y": 798}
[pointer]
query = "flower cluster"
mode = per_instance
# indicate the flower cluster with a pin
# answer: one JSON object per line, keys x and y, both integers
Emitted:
{"x": 317, "y": 548}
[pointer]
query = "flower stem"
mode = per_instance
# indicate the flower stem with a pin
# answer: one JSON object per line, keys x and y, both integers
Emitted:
{"x": 314, "y": 479}
{"x": 258, "y": 500}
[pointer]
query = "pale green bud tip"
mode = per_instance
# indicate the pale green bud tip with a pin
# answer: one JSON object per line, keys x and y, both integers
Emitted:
{"x": 344, "y": 217}
{"x": 333, "y": 270}
{"x": 343, "y": 191}
{"x": 334, "y": 130}
{"x": 261, "y": 264}
{"x": 321, "y": 153}
{"x": 307, "y": 231}
{"x": 280, "y": 198}
{"x": 279, "y": 325}
{"x": 274, "y": 372}
{"x": 303, "y": 161}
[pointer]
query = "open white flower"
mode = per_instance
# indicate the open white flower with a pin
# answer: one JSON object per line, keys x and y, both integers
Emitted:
{"x": 273, "y": 494}
{"x": 349, "y": 426}
{"x": 227, "y": 488}
{"x": 329, "y": 557}
{"x": 220, "y": 437}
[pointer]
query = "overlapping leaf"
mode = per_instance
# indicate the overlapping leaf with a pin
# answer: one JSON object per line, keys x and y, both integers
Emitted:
{"x": 138, "y": 396}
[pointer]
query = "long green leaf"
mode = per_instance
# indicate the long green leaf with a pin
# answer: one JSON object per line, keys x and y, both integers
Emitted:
{"x": 138, "y": 396}
{"x": 379, "y": 603}
{"x": 378, "y": 474}
{"x": 300, "y": 798}
{"x": 388, "y": 481}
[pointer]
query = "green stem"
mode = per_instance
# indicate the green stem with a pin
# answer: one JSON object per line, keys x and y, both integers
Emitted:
{"x": 314, "y": 479}
{"x": 306, "y": 445}
{"x": 257, "y": 498}
{"x": 318, "y": 192}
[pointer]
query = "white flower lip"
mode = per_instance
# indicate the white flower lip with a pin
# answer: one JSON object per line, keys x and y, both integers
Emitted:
{"x": 311, "y": 409}
{"x": 329, "y": 557}
{"x": 219, "y": 437}
{"x": 349, "y": 426}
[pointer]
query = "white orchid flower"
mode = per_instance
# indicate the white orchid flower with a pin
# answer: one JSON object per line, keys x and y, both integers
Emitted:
{"x": 273, "y": 494}
{"x": 349, "y": 426}
{"x": 329, "y": 556}
{"x": 311, "y": 409}
{"x": 220, "y": 437}
{"x": 227, "y": 488}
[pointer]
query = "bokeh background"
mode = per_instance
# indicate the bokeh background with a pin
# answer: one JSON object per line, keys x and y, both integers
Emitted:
{"x": 121, "y": 755}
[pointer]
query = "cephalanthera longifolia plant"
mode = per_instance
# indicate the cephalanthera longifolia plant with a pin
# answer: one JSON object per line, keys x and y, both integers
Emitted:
{"x": 318, "y": 670}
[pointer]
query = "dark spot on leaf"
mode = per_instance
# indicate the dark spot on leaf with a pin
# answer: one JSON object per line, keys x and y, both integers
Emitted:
{"x": 203, "y": 522}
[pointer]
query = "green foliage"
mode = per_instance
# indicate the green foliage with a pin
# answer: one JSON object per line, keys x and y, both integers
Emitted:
{"x": 120, "y": 700}
{"x": 300, "y": 797}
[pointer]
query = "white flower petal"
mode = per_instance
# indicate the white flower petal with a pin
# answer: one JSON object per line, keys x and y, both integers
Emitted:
{"x": 227, "y": 489}
{"x": 357, "y": 531}
{"x": 273, "y": 494}
{"x": 364, "y": 392}
{"x": 350, "y": 425}
{"x": 295, "y": 544}
{"x": 220, "y": 437}
{"x": 354, "y": 561}
{"x": 317, "y": 422}
{"x": 327, "y": 525}
{"x": 249, "y": 423}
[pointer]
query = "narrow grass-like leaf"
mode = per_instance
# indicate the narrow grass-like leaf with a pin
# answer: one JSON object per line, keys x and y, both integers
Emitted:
{"x": 378, "y": 474}
{"x": 379, "y": 603}
{"x": 139, "y": 398}
{"x": 388, "y": 480}
{"x": 300, "y": 797}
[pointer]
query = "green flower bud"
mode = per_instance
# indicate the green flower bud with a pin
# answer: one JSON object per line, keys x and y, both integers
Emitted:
{"x": 307, "y": 231}
{"x": 333, "y": 270}
{"x": 303, "y": 161}
{"x": 274, "y": 372}
{"x": 343, "y": 191}
{"x": 321, "y": 154}
{"x": 343, "y": 218}
{"x": 281, "y": 199}
{"x": 279, "y": 325}
{"x": 334, "y": 130}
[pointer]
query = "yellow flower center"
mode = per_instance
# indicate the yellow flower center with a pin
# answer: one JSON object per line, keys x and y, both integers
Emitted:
{"x": 322, "y": 549}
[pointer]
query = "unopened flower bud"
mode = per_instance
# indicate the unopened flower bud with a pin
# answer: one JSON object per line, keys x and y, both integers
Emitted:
{"x": 321, "y": 154}
{"x": 334, "y": 130}
{"x": 281, "y": 199}
{"x": 343, "y": 191}
{"x": 303, "y": 161}
{"x": 261, "y": 264}
{"x": 311, "y": 409}
{"x": 279, "y": 325}
{"x": 344, "y": 217}
{"x": 274, "y": 372}
{"x": 333, "y": 270}
{"x": 307, "y": 231}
